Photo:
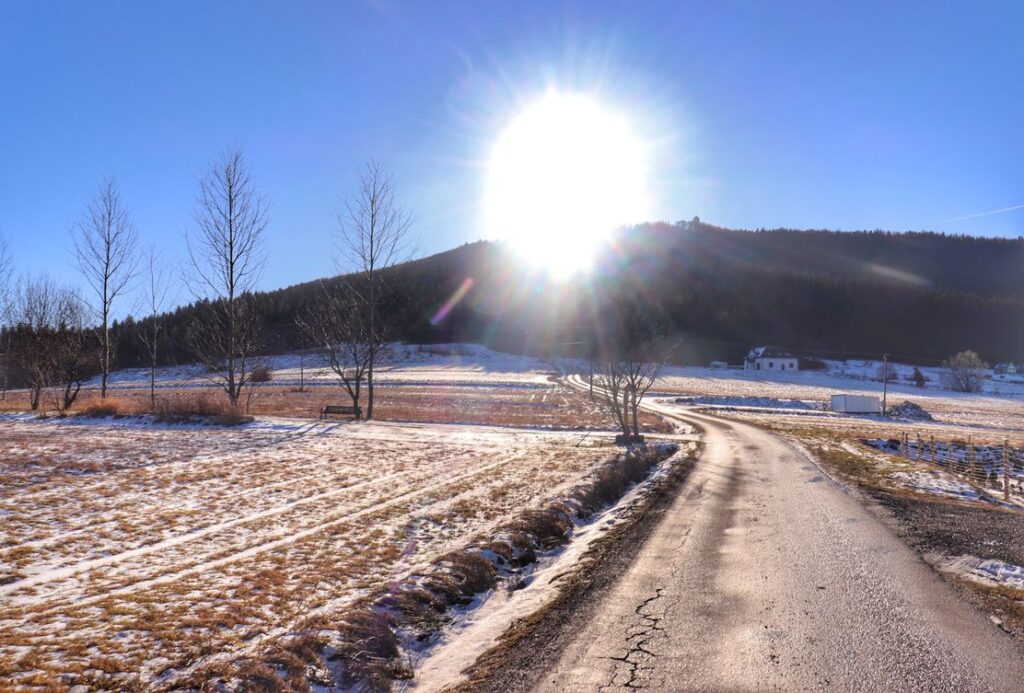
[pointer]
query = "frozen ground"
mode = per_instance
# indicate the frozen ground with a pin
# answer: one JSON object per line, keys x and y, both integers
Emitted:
{"x": 987, "y": 412}
{"x": 139, "y": 548}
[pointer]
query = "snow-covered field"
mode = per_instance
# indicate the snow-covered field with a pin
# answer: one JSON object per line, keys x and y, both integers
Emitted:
{"x": 984, "y": 411}
{"x": 132, "y": 547}
{"x": 449, "y": 364}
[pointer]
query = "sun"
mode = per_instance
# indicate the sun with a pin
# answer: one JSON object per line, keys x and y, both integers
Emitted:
{"x": 565, "y": 173}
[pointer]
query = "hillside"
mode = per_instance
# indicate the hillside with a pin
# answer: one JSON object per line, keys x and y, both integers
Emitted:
{"x": 921, "y": 296}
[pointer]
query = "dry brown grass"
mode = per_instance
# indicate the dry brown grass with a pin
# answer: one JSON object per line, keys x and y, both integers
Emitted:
{"x": 186, "y": 408}
{"x": 112, "y": 406}
{"x": 367, "y": 648}
{"x": 556, "y": 407}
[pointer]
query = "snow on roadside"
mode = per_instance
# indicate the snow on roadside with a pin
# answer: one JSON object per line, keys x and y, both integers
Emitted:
{"x": 985, "y": 571}
{"x": 478, "y": 626}
{"x": 937, "y": 483}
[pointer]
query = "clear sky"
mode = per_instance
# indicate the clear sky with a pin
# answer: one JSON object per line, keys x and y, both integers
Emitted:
{"x": 877, "y": 115}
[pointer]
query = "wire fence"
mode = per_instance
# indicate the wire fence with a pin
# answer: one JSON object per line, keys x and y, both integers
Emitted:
{"x": 995, "y": 466}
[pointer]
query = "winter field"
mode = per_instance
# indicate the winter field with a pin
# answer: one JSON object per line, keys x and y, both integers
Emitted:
{"x": 128, "y": 546}
{"x": 158, "y": 549}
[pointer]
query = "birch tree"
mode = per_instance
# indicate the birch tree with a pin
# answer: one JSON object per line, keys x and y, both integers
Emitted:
{"x": 373, "y": 234}
{"x": 105, "y": 244}
{"x": 156, "y": 298}
{"x": 227, "y": 257}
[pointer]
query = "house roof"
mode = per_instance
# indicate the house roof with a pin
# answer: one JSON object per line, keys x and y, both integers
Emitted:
{"x": 769, "y": 351}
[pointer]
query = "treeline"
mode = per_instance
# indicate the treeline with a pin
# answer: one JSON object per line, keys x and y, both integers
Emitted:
{"x": 850, "y": 294}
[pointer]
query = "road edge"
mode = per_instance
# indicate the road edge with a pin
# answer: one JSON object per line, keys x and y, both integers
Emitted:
{"x": 526, "y": 650}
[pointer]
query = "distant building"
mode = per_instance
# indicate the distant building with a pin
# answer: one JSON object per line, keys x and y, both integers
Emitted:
{"x": 720, "y": 365}
{"x": 769, "y": 358}
{"x": 1008, "y": 368}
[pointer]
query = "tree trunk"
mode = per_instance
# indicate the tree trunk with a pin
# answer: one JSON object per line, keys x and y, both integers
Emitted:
{"x": 373, "y": 347}
{"x": 70, "y": 394}
{"x": 106, "y": 356}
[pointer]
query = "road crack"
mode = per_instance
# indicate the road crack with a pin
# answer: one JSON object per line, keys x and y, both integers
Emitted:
{"x": 629, "y": 667}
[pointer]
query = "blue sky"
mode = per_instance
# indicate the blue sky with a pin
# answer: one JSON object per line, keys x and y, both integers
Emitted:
{"x": 876, "y": 115}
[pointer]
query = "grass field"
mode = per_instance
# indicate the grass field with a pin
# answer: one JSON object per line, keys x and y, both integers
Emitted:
{"x": 130, "y": 547}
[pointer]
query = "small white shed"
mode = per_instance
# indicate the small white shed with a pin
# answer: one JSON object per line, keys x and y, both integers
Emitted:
{"x": 856, "y": 404}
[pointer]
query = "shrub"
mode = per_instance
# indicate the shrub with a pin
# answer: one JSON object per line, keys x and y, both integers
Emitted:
{"x": 261, "y": 374}
{"x": 965, "y": 372}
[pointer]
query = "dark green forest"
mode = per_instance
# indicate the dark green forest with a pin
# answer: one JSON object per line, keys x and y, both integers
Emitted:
{"x": 918, "y": 296}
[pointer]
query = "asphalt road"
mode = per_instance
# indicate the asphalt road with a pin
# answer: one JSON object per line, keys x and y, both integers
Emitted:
{"x": 767, "y": 575}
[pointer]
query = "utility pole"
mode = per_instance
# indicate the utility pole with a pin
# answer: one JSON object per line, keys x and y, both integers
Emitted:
{"x": 885, "y": 380}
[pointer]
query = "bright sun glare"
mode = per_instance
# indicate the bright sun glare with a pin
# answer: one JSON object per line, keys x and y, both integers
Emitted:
{"x": 565, "y": 173}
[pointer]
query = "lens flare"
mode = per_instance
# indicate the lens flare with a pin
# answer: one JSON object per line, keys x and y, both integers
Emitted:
{"x": 453, "y": 300}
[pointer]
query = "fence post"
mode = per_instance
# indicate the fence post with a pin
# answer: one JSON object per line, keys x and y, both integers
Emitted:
{"x": 1006, "y": 470}
{"x": 933, "y": 450}
{"x": 970, "y": 458}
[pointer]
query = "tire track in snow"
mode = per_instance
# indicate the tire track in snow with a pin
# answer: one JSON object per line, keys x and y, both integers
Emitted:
{"x": 284, "y": 537}
{"x": 82, "y": 566}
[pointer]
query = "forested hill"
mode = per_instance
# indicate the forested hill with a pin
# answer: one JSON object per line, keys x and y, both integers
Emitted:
{"x": 918, "y": 296}
{"x": 984, "y": 266}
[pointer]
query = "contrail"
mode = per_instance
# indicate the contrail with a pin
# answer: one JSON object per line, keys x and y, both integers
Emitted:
{"x": 980, "y": 214}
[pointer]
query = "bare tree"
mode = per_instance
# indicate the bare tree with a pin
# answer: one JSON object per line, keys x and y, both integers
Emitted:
{"x": 337, "y": 326}
{"x": 49, "y": 338}
{"x": 227, "y": 257}
{"x": 965, "y": 372}
{"x": 623, "y": 380}
{"x": 106, "y": 249}
{"x": 70, "y": 348}
{"x": 156, "y": 297}
{"x": 373, "y": 233}
{"x": 609, "y": 379}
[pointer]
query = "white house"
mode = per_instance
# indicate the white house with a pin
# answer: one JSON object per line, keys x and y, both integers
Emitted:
{"x": 1006, "y": 368}
{"x": 769, "y": 358}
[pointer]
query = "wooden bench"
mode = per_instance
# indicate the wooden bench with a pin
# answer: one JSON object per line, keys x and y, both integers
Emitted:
{"x": 338, "y": 410}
